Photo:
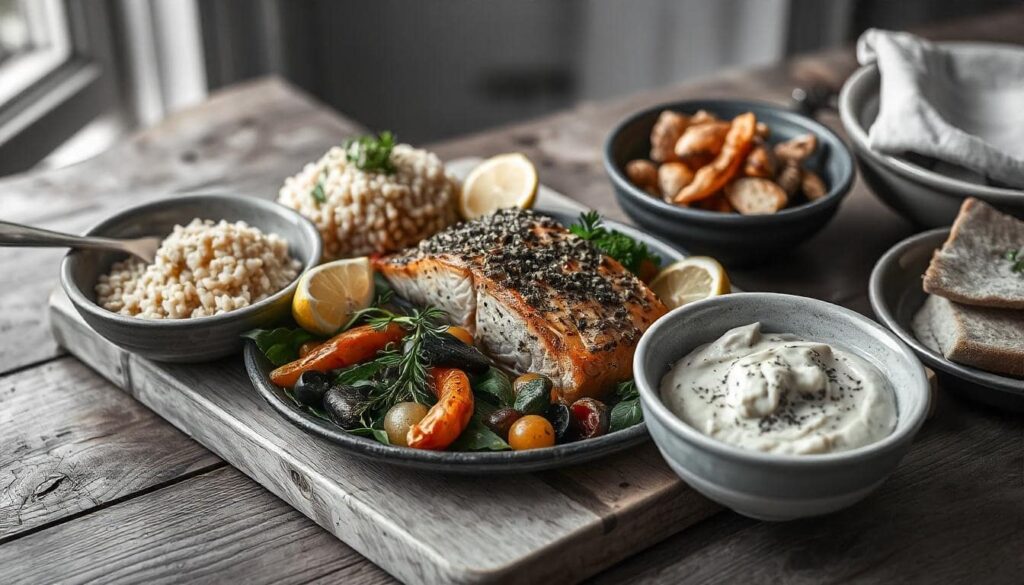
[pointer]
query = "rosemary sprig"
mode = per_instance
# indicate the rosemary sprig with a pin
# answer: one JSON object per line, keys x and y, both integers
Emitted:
{"x": 405, "y": 372}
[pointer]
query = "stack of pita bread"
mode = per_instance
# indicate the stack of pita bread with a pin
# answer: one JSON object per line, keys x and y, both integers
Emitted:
{"x": 974, "y": 314}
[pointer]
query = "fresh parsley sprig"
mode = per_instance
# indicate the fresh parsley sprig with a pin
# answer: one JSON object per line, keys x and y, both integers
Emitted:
{"x": 371, "y": 153}
{"x": 629, "y": 252}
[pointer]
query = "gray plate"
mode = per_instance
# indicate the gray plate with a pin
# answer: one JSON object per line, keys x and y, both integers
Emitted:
{"x": 482, "y": 462}
{"x": 896, "y": 294}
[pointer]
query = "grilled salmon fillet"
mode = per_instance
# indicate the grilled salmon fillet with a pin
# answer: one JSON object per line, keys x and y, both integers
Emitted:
{"x": 536, "y": 297}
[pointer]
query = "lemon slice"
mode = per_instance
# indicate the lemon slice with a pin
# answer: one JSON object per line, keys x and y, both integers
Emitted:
{"x": 506, "y": 180}
{"x": 689, "y": 280}
{"x": 328, "y": 295}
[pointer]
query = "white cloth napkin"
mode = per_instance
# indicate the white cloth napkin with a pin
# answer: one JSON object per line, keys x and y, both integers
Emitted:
{"x": 963, "y": 106}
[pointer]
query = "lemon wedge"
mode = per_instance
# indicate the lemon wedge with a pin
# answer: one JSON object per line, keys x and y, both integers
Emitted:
{"x": 327, "y": 296}
{"x": 689, "y": 280}
{"x": 506, "y": 180}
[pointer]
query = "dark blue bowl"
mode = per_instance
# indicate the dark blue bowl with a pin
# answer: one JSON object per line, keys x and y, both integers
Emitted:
{"x": 732, "y": 238}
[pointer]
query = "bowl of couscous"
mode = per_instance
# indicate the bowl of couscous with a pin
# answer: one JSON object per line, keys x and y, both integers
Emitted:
{"x": 227, "y": 264}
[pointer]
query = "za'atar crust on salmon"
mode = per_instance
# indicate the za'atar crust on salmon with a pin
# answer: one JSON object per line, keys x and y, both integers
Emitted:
{"x": 536, "y": 297}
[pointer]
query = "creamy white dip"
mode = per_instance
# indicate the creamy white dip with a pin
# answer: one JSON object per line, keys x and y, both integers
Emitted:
{"x": 778, "y": 393}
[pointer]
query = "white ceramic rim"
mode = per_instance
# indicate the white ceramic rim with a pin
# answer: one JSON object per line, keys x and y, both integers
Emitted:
{"x": 913, "y": 418}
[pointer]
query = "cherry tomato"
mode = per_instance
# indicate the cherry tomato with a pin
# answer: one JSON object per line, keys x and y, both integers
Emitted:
{"x": 589, "y": 418}
{"x": 461, "y": 333}
{"x": 531, "y": 432}
{"x": 400, "y": 418}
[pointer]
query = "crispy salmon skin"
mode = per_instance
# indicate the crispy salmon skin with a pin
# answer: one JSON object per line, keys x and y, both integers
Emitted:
{"x": 536, "y": 297}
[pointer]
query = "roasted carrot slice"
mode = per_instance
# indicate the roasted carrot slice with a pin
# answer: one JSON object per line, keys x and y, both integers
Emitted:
{"x": 446, "y": 420}
{"x": 358, "y": 344}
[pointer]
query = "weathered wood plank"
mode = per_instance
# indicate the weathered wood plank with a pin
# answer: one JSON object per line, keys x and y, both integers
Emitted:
{"x": 69, "y": 443}
{"x": 952, "y": 513}
{"x": 216, "y": 528}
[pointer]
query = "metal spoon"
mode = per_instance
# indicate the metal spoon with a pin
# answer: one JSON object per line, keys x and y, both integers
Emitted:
{"x": 13, "y": 234}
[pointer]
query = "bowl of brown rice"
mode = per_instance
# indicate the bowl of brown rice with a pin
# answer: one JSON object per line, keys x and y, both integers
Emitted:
{"x": 227, "y": 264}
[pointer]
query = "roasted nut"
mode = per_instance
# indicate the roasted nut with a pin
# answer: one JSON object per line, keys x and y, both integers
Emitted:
{"x": 643, "y": 174}
{"x": 760, "y": 163}
{"x": 812, "y": 186}
{"x": 701, "y": 143}
{"x": 665, "y": 133}
{"x": 673, "y": 176}
{"x": 789, "y": 177}
{"x": 762, "y": 131}
{"x": 797, "y": 149}
{"x": 753, "y": 196}
{"x": 702, "y": 117}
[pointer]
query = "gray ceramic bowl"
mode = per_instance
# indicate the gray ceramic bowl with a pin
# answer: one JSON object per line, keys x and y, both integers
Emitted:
{"x": 896, "y": 295}
{"x": 925, "y": 197}
{"x": 186, "y": 340}
{"x": 731, "y": 238}
{"x": 763, "y": 485}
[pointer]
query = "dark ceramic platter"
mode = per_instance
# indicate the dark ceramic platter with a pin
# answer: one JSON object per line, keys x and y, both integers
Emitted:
{"x": 896, "y": 295}
{"x": 476, "y": 462}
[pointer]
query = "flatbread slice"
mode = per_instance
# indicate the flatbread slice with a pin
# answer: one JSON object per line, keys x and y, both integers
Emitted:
{"x": 972, "y": 266}
{"x": 985, "y": 338}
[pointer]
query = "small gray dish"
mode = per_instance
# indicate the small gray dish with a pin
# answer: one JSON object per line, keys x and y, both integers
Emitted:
{"x": 764, "y": 485}
{"x": 925, "y": 197}
{"x": 186, "y": 340}
{"x": 896, "y": 295}
{"x": 731, "y": 238}
{"x": 456, "y": 462}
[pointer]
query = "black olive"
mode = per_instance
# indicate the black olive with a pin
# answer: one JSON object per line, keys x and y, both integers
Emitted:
{"x": 310, "y": 388}
{"x": 447, "y": 351}
{"x": 500, "y": 421}
{"x": 345, "y": 404}
{"x": 560, "y": 418}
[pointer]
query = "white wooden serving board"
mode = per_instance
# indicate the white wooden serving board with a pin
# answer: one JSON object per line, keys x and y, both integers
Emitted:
{"x": 555, "y": 526}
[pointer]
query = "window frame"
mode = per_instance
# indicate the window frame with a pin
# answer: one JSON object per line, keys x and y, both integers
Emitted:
{"x": 66, "y": 96}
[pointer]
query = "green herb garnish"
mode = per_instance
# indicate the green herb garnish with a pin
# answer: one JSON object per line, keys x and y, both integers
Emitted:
{"x": 1017, "y": 260}
{"x": 371, "y": 153}
{"x": 280, "y": 345}
{"x": 627, "y": 412}
{"x": 629, "y": 252}
{"x": 318, "y": 191}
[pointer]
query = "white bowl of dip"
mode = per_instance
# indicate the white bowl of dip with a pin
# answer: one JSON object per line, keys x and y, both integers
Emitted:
{"x": 813, "y": 431}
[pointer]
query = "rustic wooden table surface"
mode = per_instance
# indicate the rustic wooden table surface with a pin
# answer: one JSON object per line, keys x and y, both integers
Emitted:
{"x": 97, "y": 487}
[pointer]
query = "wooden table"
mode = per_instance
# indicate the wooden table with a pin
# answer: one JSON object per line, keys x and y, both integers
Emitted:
{"x": 97, "y": 487}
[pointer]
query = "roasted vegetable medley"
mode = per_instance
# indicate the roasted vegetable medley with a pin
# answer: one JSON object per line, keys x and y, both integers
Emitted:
{"x": 403, "y": 377}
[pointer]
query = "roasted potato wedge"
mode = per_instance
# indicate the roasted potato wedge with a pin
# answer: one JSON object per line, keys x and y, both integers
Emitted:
{"x": 643, "y": 174}
{"x": 701, "y": 143}
{"x": 673, "y": 176}
{"x": 789, "y": 177}
{"x": 760, "y": 163}
{"x": 665, "y": 133}
{"x": 755, "y": 196}
{"x": 713, "y": 176}
{"x": 812, "y": 186}
{"x": 797, "y": 149}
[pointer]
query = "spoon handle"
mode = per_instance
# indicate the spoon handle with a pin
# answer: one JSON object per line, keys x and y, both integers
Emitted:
{"x": 13, "y": 234}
